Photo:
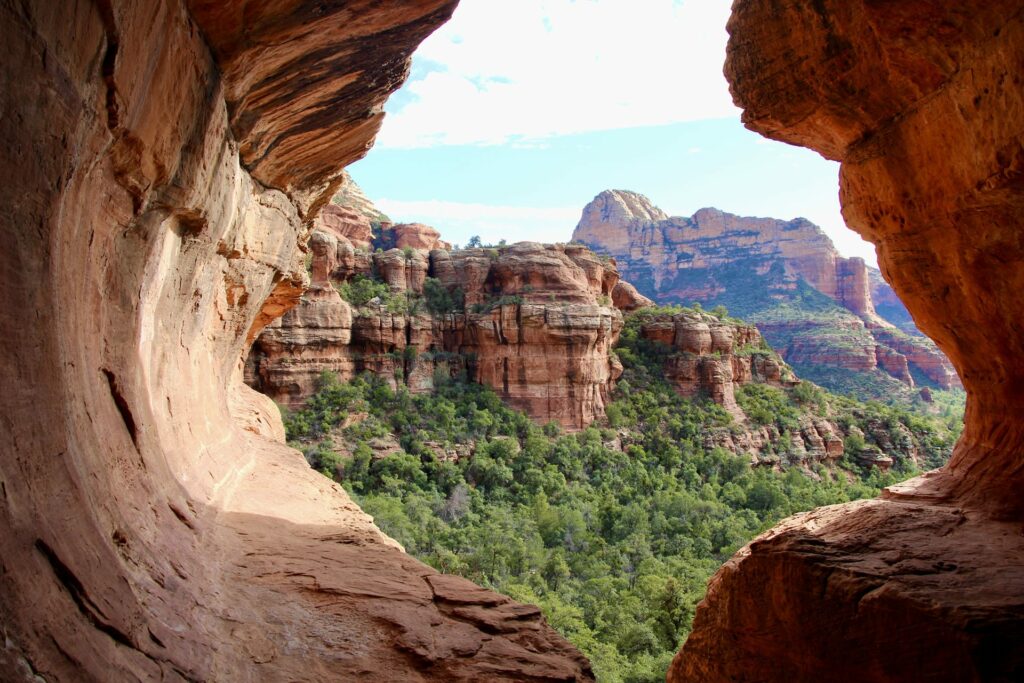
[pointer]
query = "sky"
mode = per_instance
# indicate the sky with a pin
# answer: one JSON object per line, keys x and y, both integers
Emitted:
{"x": 517, "y": 113}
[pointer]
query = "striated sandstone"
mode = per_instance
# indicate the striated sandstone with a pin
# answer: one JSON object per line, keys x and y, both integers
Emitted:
{"x": 922, "y": 103}
{"x": 153, "y": 526}
{"x": 644, "y": 240}
{"x": 416, "y": 236}
{"x": 351, "y": 196}
{"x": 626, "y": 298}
{"x": 919, "y": 353}
{"x": 712, "y": 356}
{"x": 752, "y": 265}
{"x": 822, "y": 596}
{"x": 538, "y": 327}
{"x": 344, "y": 223}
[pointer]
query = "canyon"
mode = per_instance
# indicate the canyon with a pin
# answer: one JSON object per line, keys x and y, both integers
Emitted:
{"x": 535, "y": 322}
{"x": 813, "y": 305}
{"x": 169, "y": 161}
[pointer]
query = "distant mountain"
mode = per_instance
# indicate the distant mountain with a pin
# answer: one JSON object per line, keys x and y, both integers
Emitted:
{"x": 351, "y": 196}
{"x": 834, "y": 319}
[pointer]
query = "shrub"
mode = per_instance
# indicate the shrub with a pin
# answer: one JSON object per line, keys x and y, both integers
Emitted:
{"x": 360, "y": 290}
{"x": 854, "y": 443}
{"x": 439, "y": 299}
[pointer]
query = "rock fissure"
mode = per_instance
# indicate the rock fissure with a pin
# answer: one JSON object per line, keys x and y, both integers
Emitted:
{"x": 76, "y": 591}
{"x": 122, "y": 406}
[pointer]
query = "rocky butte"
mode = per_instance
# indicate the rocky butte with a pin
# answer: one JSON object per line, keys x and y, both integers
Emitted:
{"x": 923, "y": 104}
{"x": 165, "y": 161}
{"x": 813, "y": 305}
{"x": 535, "y": 322}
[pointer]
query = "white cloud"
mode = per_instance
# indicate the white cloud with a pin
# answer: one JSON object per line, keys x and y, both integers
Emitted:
{"x": 503, "y": 71}
{"x": 457, "y": 221}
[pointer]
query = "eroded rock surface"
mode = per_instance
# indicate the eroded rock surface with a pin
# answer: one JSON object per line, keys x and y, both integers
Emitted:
{"x": 537, "y": 325}
{"x": 771, "y": 273}
{"x": 876, "y": 590}
{"x": 922, "y": 102}
{"x": 711, "y": 356}
{"x": 164, "y": 162}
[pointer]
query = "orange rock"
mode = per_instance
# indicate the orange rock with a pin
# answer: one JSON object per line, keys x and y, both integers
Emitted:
{"x": 538, "y": 327}
{"x": 647, "y": 243}
{"x": 418, "y": 236}
{"x": 625, "y": 297}
{"x": 919, "y": 351}
{"x": 346, "y": 223}
{"x": 169, "y": 160}
{"x": 922, "y": 104}
{"x": 712, "y": 357}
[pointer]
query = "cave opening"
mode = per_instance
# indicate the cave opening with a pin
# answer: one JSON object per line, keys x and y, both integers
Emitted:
{"x": 157, "y": 527}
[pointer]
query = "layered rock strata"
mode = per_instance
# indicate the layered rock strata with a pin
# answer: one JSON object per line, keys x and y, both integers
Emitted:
{"x": 643, "y": 238}
{"x": 166, "y": 159}
{"x": 754, "y": 264}
{"x": 711, "y": 357}
{"x": 535, "y": 323}
{"x": 923, "y": 105}
{"x": 410, "y": 235}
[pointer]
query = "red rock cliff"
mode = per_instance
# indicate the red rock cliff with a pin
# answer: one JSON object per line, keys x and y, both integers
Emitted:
{"x": 643, "y": 238}
{"x": 711, "y": 357}
{"x": 754, "y": 264}
{"x": 537, "y": 325}
{"x": 163, "y": 161}
{"x": 923, "y": 104}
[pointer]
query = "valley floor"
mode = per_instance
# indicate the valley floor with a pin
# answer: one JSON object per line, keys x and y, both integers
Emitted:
{"x": 613, "y": 530}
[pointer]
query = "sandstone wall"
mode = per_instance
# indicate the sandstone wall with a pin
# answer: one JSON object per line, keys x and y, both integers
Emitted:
{"x": 163, "y": 162}
{"x": 711, "y": 357}
{"x": 715, "y": 256}
{"x": 538, "y": 327}
{"x": 922, "y": 102}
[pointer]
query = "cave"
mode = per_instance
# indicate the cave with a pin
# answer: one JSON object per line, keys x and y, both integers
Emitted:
{"x": 165, "y": 161}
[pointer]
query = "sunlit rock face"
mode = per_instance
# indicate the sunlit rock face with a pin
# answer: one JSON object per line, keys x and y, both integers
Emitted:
{"x": 711, "y": 357}
{"x": 812, "y": 304}
{"x": 538, "y": 326}
{"x": 922, "y": 102}
{"x": 164, "y": 162}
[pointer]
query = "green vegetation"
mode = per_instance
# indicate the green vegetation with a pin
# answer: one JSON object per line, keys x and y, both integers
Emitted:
{"x": 791, "y": 313}
{"x": 612, "y": 531}
{"x": 615, "y": 545}
{"x": 440, "y": 300}
{"x": 360, "y": 290}
{"x": 497, "y": 301}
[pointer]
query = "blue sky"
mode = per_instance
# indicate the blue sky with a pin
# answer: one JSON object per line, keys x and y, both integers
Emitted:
{"x": 517, "y": 113}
